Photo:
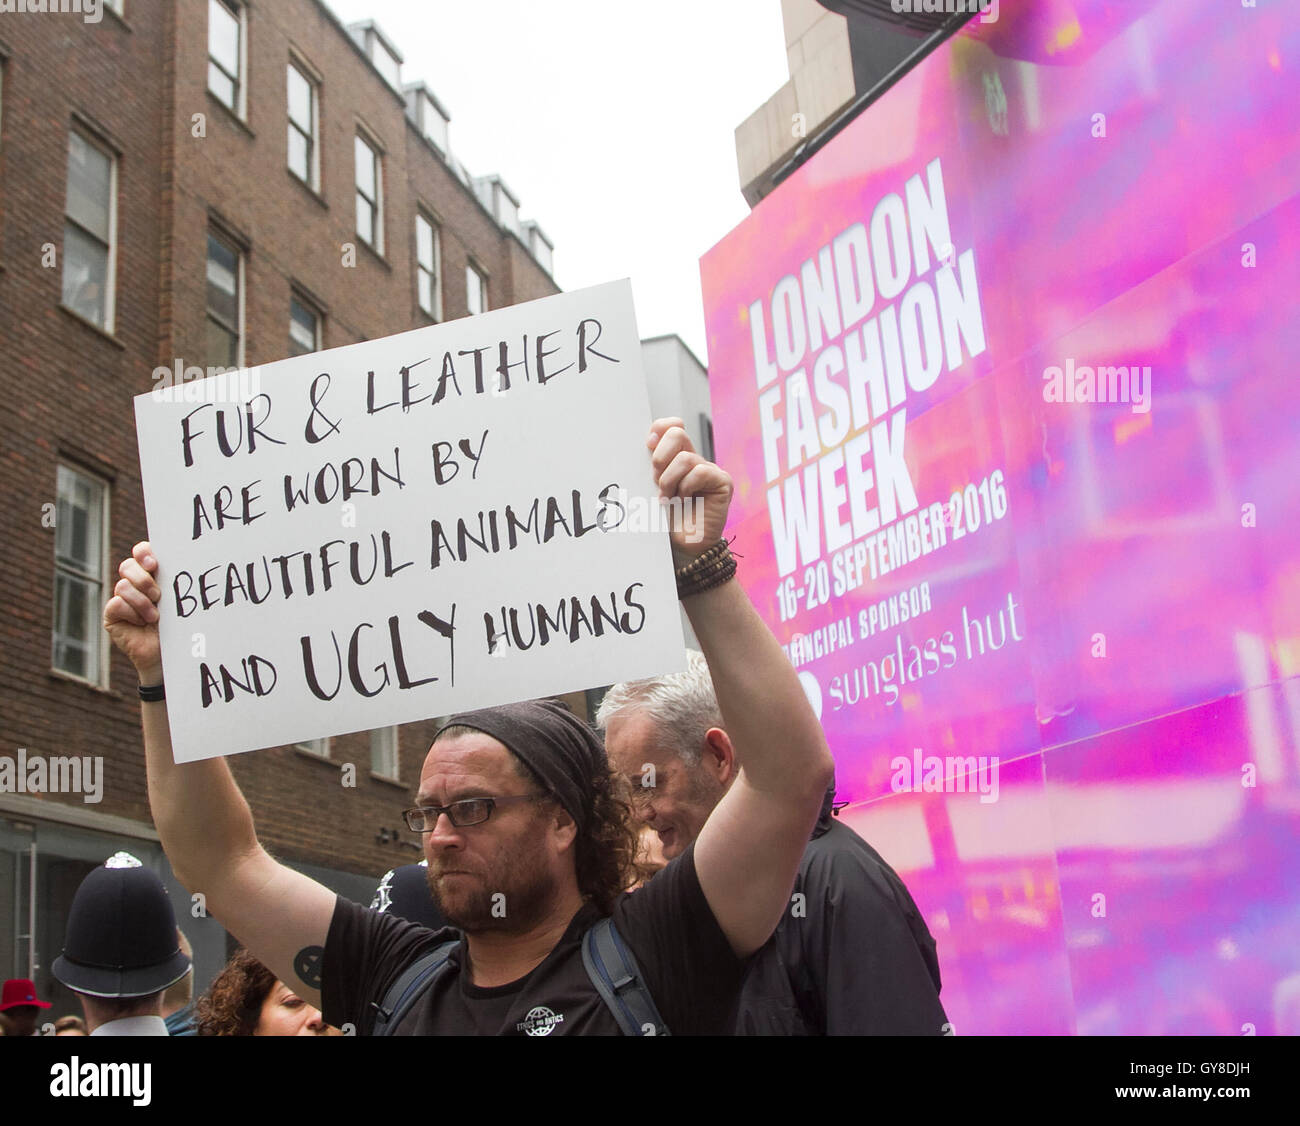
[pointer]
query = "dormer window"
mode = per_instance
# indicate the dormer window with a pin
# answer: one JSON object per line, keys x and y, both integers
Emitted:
{"x": 507, "y": 212}
{"x": 499, "y": 200}
{"x": 428, "y": 115}
{"x": 433, "y": 124}
{"x": 540, "y": 245}
{"x": 385, "y": 57}
{"x": 387, "y": 63}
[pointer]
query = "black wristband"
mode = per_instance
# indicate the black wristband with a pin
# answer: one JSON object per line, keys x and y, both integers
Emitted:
{"x": 152, "y": 693}
{"x": 712, "y": 567}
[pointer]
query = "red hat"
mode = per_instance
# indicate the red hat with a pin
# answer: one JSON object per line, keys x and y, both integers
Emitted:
{"x": 19, "y": 991}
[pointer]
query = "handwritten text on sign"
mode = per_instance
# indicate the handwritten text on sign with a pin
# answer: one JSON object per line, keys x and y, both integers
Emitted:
{"x": 410, "y": 527}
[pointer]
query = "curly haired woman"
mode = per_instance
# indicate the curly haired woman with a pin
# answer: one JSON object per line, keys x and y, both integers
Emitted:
{"x": 245, "y": 999}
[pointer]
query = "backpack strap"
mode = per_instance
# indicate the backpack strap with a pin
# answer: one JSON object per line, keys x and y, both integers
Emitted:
{"x": 605, "y": 956}
{"x": 409, "y": 988}
{"x": 618, "y": 980}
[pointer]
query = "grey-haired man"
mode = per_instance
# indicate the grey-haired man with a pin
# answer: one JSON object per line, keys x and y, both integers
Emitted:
{"x": 852, "y": 954}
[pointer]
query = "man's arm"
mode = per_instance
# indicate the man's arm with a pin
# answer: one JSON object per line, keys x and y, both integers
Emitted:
{"x": 205, "y": 824}
{"x": 748, "y": 852}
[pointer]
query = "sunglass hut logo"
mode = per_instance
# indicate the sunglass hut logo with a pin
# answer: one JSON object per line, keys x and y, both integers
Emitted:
{"x": 540, "y": 1021}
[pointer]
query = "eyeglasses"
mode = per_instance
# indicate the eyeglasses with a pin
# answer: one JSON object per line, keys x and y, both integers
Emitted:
{"x": 471, "y": 811}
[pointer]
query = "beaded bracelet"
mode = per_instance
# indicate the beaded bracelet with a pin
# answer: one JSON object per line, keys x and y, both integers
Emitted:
{"x": 712, "y": 567}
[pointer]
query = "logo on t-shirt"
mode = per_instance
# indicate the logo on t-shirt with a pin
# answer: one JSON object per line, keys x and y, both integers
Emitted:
{"x": 540, "y": 1021}
{"x": 383, "y": 899}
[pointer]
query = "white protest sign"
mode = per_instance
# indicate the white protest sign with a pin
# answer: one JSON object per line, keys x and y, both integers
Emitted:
{"x": 449, "y": 518}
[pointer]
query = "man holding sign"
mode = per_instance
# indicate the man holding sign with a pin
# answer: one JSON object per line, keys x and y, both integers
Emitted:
{"x": 526, "y": 839}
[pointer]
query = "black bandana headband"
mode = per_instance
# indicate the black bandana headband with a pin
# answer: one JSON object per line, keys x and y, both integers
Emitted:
{"x": 557, "y": 746}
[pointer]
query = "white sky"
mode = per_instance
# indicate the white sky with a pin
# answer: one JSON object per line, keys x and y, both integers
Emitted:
{"x": 613, "y": 122}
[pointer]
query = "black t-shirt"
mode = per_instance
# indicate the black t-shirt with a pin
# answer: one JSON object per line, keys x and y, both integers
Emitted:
{"x": 686, "y": 963}
{"x": 856, "y": 958}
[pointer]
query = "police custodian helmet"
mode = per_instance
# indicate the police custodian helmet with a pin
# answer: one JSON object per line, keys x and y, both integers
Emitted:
{"x": 121, "y": 939}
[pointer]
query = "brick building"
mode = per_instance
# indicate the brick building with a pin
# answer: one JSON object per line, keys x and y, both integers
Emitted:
{"x": 195, "y": 183}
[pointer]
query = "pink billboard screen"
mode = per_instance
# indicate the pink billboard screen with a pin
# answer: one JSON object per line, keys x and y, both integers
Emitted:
{"x": 1003, "y": 375}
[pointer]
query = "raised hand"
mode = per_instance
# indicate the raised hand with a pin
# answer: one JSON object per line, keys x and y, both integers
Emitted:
{"x": 131, "y": 615}
{"x": 704, "y": 488}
